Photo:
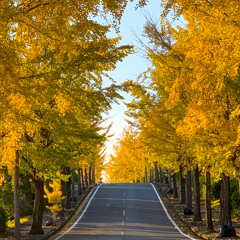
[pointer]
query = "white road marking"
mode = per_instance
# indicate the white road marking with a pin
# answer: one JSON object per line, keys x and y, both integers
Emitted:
{"x": 169, "y": 217}
{"x": 124, "y": 212}
{"x": 80, "y": 217}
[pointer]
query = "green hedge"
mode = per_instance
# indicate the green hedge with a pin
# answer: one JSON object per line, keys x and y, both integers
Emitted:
{"x": 3, "y": 220}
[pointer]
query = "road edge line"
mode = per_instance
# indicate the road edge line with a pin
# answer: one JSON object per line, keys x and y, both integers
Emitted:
{"x": 168, "y": 215}
{"x": 80, "y": 217}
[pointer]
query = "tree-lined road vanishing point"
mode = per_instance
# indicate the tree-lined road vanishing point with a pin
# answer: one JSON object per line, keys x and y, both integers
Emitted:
{"x": 126, "y": 211}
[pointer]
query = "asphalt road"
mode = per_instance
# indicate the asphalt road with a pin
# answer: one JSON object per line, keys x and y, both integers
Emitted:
{"x": 128, "y": 211}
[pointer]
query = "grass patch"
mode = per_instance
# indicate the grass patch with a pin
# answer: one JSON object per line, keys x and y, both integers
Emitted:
{"x": 11, "y": 224}
{"x": 216, "y": 204}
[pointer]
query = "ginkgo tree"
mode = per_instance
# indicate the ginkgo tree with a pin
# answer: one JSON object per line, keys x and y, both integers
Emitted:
{"x": 158, "y": 124}
{"x": 53, "y": 57}
{"x": 130, "y": 159}
{"x": 211, "y": 50}
{"x": 195, "y": 74}
{"x": 54, "y": 197}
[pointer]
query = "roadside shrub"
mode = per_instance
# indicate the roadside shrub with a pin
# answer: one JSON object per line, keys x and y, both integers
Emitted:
{"x": 3, "y": 220}
{"x": 202, "y": 185}
{"x": 234, "y": 196}
{"x": 216, "y": 189}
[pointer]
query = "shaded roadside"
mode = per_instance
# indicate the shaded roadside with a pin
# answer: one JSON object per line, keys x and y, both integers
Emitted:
{"x": 196, "y": 229}
{"x": 51, "y": 230}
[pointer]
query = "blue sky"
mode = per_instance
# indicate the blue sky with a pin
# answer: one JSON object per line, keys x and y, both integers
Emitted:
{"x": 133, "y": 21}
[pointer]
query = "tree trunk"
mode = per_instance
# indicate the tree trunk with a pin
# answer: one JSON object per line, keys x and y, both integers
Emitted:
{"x": 68, "y": 204}
{"x": 182, "y": 187}
{"x": 86, "y": 177}
{"x": 239, "y": 188}
{"x": 146, "y": 179}
{"x": 170, "y": 178}
{"x": 188, "y": 190}
{"x": 61, "y": 213}
{"x": 166, "y": 178}
{"x": 208, "y": 200}
{"x": 197, "y": 196}
{"x": 73, "y": 187}
{"x": 90, "y": 175}
{"x": 161, "y": 175}
{"x": 156, "y": 172}
{"x": 38, "y": 207}
{"x": 93, "y": 174}
{"x": 83, "y": 184}
{"x": 225, "y": 214}
{"x": 16, "y": 198}
{"x": 150, "y": 175}
{"x": 175, "y": 192}
{"x": 153, "y": 175}
{"x": 79, "y": 183}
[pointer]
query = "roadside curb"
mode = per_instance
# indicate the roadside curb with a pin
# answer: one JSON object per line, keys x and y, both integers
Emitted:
{"x": 66, "y": 221}
{"x": 82, "y": 209}
{"x": 182, "y": 225}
